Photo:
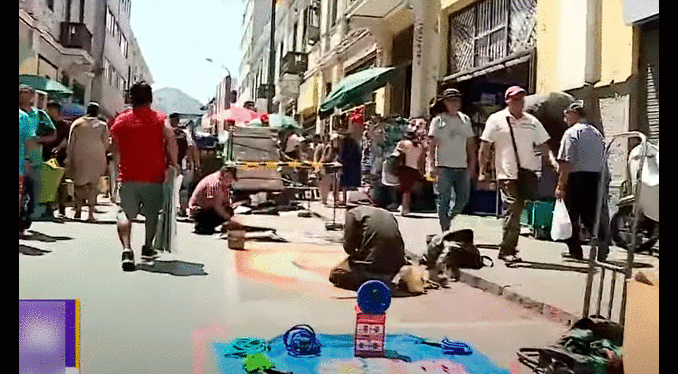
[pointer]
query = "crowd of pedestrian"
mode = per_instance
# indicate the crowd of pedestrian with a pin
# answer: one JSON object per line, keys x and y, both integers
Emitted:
{"x": 146, "y": 144}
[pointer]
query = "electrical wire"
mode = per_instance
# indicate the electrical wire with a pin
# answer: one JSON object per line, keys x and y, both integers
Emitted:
{"x": 300, "y": 341}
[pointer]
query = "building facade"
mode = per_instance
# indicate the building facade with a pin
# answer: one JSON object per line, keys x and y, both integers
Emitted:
{"x": 602, "y": 51}
{"x": 87, "y": 46}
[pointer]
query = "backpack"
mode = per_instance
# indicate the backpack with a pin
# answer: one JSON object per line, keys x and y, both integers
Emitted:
{"x": 451, "y": 251}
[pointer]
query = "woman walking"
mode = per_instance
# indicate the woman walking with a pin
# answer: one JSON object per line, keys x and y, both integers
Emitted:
{"x": 86, "y": 158}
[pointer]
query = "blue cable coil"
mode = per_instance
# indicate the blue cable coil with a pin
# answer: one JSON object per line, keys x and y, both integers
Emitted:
{"x": 245, "y": 346}
{"x": 455, "y": 348}
{"x": 300, "y": 341}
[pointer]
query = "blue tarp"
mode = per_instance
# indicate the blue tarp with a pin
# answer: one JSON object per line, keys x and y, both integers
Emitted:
{"x": 340, "y": 347}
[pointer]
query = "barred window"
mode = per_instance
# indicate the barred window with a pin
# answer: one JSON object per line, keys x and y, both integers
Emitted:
{"x": 489, "y": 31}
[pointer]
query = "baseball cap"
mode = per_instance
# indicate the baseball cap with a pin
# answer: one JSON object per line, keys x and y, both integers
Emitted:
{"x": 577, "y": 107}
{"x": 23, "y": 87}
{"x": 450, "y": 93}
{"x": 514, "y": 90}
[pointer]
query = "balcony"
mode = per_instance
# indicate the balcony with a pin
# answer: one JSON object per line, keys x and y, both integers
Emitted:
{"x": 294, "y": 63}
{"x": 76, "y": 35}
{"x": 373, "y": 9}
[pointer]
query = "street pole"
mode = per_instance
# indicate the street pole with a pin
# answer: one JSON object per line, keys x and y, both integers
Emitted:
{"x": 271, "y": 61}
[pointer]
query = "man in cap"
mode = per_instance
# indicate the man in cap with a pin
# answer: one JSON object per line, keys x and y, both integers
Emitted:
{"x": 451, "y": 156}
{"x": 515, "y": 136}
{"x": 582, "y": 159}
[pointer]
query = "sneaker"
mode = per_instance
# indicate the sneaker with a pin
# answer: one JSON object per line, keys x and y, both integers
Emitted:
{"x": 509, "y": 258}
{"x": 148, "y": 253}
{"x": 128, "y": 260}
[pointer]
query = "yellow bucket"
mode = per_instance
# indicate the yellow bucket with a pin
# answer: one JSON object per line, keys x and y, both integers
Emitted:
{"x": 236, "y": 239}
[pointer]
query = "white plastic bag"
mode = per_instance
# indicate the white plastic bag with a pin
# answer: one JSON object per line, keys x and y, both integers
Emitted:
{"x": 561, "y": 227}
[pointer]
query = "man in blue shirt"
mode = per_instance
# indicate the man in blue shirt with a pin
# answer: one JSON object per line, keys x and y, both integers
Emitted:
{"x": 25, "y": 143}
{"x": 581, "y": 158}
{"x": 40, "y": 125}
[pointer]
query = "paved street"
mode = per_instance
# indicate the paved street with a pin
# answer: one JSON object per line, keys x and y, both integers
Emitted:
{"x": 164, "y": 318}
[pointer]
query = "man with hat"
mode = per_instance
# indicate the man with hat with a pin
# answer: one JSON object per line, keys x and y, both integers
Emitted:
{"x": 581, "y": 158}
{"x": 451, "y": 155}
{"x": 515, "y": 136}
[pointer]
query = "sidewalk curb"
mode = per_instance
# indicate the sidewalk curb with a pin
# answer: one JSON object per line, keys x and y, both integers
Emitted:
{"x": 552, "y": 312}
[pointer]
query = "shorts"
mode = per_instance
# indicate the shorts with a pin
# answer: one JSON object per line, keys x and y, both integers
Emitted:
{"x": 140, "y": 197}
{"x": 407, "y": 176}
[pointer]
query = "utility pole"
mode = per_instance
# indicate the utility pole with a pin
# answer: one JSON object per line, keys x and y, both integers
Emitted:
{"x": 270, "y": 90}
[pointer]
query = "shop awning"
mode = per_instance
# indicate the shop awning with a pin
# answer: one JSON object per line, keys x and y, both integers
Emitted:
{"x": 50, "y": 86}
{"x": 355, "y": 88}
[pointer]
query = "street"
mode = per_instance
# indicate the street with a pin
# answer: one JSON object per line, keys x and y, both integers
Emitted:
{"x": 166, "y": 317}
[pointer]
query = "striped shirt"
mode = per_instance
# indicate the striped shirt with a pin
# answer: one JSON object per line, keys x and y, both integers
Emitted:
{"x": 210, "y": 192}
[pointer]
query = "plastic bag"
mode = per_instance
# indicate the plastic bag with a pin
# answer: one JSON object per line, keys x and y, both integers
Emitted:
{"x": 561, "y": 227}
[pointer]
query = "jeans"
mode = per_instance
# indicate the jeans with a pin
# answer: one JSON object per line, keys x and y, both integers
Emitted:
{"x": 513, "y": 205}
{"x": 581, "y": 201}
{"x": 452, "y": 180}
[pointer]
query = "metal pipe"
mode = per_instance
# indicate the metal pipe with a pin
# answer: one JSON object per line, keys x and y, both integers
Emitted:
{"x": 271, "y": 61}
{"x": 601, "y": 285}
{"x": 614, "y": 281}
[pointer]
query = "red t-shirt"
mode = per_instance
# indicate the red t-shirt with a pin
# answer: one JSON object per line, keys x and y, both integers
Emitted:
{"x": 139, "y": 134}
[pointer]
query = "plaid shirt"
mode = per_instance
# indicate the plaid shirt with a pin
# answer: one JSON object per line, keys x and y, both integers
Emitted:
{"x": 209, "y": 193}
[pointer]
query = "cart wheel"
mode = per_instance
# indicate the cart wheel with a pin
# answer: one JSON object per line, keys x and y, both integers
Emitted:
{"x": 620, "y": 228}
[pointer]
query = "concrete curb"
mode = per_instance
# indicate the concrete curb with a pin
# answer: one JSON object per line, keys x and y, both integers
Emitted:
{"x": 552, "y": 312}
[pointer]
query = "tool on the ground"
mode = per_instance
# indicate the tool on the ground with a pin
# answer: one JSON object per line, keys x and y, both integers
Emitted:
{"x": 260, "y": 363}
{"x": 300, "y": 341}
{"x": 455, "y": 348}
{"x": 246, "y": 346}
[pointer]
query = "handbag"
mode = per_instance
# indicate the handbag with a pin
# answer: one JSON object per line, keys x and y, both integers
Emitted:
{"x": 528, "y": 181}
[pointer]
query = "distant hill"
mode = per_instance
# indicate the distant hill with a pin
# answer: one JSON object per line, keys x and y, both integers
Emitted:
{"x": 170, "y": 100}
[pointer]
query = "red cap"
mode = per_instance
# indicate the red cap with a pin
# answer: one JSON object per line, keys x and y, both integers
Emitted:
{"x": 514, "y": 90}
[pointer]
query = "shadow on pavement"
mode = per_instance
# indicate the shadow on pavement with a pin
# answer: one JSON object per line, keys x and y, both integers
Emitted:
{"x": 38, "y": 236}
{"x": 173, "y": 267}
{"x": 31, "y": 251}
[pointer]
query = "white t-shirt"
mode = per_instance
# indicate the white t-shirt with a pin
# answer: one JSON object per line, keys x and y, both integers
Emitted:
{"x": 529, "y": 133}
{"x": 451, "y": 133}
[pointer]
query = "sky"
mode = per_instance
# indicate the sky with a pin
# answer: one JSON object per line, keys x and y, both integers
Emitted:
{"x": 177, "y": 36}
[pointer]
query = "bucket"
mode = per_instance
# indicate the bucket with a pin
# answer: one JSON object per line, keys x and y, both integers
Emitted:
{"x": 236, "y": 239}
{"x": 50, "y": 179}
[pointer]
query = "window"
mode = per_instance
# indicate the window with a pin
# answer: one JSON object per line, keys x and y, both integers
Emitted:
{"x": 124, "y": 46}
{"x": 110, "y": 22}
{"x": 333, "y": 13}
{"x": 489, "y": 31}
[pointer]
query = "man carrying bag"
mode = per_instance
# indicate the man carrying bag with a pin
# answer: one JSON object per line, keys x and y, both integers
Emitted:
{"x": 515, "y": 135}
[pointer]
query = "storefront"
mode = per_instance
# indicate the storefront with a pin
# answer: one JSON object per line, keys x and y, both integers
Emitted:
{"x": 491, "y": 46}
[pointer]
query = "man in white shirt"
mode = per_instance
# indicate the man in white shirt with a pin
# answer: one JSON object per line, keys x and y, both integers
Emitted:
{"x": 451, "y": 157}
{"x": 529, "y": 135}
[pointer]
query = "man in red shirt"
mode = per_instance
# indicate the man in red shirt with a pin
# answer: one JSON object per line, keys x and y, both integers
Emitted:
{"x": 210, "y": 204}
{"x": 147, "y": 147}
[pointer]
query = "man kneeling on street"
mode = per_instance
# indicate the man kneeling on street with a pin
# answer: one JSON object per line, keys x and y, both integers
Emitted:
{"x": 374, "y": 246}
{"x": 210, "y": 204}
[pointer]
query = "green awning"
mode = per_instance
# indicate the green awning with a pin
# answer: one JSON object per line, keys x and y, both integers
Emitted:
{"x": 354, "y": 89}
{"x": 50, "y": 86}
